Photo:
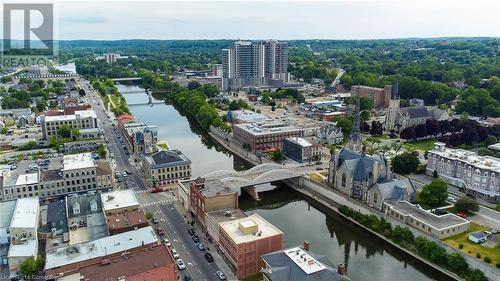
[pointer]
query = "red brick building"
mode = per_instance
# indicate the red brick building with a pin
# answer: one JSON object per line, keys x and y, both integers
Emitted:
{"x": 210, "y": 195}
{"x": 152, "y": 263}
{"x": 264, "y": 136}
{"x": 243, "y": 241}
{"x": 379, "y": 96}
{"x": 119, "y": 223}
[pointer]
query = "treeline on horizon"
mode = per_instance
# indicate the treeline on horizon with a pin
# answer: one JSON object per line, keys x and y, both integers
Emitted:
{"x": 450, "y": 72}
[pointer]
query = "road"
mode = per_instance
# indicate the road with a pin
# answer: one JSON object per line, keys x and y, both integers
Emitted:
{"x": 160, "y": 204}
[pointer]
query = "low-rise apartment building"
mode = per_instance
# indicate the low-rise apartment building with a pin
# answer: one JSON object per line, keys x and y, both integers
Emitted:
{"x": 243, "y": 241}
{"x": 379, "y": 96}
{"x": 165, "y": 167}
{"x": 262, "y": 137}
{"x": 84, "y": 120}
{"x": 478, "y": 175}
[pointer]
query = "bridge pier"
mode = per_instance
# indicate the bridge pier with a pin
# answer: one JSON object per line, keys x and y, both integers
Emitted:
{"x": 252, "y": 190}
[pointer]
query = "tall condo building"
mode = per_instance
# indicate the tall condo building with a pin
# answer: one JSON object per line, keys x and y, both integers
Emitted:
{"x": 254, "y": 63}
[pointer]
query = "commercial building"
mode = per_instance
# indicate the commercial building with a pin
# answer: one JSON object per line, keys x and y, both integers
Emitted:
{"x": 111, "y": 57}
{"x": 23, "y": 232}
{"x": 68, "y": 258}
{"x": 165, "y": 167}
{"x": 127, "y": 221}
{"x": 254, "y": 63}
{"x": 264, "y": 136}
{"x": 85, "y": 218}
{"x": 379, "y": 96}
{"x": 119, "y": 201}
{"x": 213, "y": 218}
{"x": 478, "y": 175}
{"x": 246, "y": 116}
{"x": 141, "y": 138}
{"x": 210, "y": 195}
{"x": 84, "y": 120}
{"x": 6, "y": 212}
{"x": 183, "y": 193}
{"x": 153, "y": 262}
{"x": 438, "y": 226}
{"x": 243, "y": 241}
{"x": 297, "y": 263}
{"x": 301, "y": 150}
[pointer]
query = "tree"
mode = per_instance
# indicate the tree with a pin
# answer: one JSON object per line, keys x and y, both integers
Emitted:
{"x": 29, "y": 146}
{"x": 278, "y": 155}
{"x": 421, "y": 131}
{"x": 402, "y": 234}
{"x": 434, "y": 193}
{"x": 102, "y": 151}
{"x": 149, "y": 215}
{"x": 364, "y": 115}
{"x": 490, "y": 140}
{"x": 466, "y": 204}
{"x": 405, "y": 163}
{"x": 192, "y": 85}
{"x": 41, "y": 105}
{"x": 31, "y": 267}
{"x": 64, "y": 131}
{"x": 457, "y": 263}
{"x": 408, "y": 134}
{"x": 345, "y": 124}
{"x": 376, "y": 128}
{"x": 435, "y": 174}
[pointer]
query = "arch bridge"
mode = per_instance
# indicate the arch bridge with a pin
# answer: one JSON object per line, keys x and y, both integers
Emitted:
{"x": 252, "y": 178}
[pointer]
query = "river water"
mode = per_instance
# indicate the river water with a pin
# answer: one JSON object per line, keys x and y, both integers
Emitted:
{"x": 367, "y": 258}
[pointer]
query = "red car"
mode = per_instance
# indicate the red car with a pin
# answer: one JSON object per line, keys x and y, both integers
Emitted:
{"x": 160, "y": 231}
{"x": 156, "y": 190}
{"x": 462, "y": 214}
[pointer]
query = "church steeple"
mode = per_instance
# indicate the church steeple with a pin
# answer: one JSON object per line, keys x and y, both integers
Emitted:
{"x": 355, "y": 142}
{"x": 395, "y": 90}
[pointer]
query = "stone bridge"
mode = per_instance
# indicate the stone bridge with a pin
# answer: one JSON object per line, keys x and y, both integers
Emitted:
{"x": 252, "y": 178}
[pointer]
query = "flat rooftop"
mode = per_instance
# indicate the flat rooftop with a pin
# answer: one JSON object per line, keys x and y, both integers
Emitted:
{"x": 78, "y": 161}
{"x": 439, "y": 222}
{"x": 26, "y": 213}
{"x": 237, "y": 229}
{"x": 471, "y": 158}
{"x": 166, "y": 158}
{"x": 79, "y": 113}
{"x": 61, "y": 256}
{"x": 117, "y": 267}
{"x": 300, "y": 141}
{"x": 26, "y": 249}
{"x": 127, "y": 219}
{"x": 213, "y": 187}
{"x": 25, "y": 179}
{"x": 119, "y": 199}
{"x": 303, "y": 260}
{"x": 247, "y": 116}
{"x": 225, "y": 215}
{"x": 265, "y": 128}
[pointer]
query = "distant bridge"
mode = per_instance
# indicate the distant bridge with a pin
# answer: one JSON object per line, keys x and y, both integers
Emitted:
{"x": 250, "y": 179}
{"x": 127, "y": 79}
{"x": 49, "y": 76}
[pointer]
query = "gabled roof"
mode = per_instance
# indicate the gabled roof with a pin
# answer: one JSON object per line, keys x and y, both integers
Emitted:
{"x": 360, "y": 165}
{"x": 416, "y": 112}
{"x": 396, "y": 189}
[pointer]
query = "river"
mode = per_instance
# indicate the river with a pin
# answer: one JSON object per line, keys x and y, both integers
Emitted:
{"x": 367, "y": 258}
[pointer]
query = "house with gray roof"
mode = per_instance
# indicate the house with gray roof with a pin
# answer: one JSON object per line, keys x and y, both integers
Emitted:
{"x": 298, "y": 264}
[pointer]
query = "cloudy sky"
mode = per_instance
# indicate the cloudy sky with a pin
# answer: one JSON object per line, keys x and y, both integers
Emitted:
{"x": 277, "y": 19}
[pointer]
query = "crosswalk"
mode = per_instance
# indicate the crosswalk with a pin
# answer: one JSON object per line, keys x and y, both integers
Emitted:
{"x": 160, "y": 202}
{"x": 140, "y": 191}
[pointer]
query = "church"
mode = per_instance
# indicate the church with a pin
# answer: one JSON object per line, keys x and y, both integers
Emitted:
{"x": 367, "y": 178}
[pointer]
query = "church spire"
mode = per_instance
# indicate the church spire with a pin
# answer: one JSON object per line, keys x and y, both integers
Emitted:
{"x": 355, "y": 142}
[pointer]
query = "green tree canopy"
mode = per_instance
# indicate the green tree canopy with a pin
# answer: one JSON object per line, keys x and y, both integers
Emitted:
{"x": 435, "y": 192}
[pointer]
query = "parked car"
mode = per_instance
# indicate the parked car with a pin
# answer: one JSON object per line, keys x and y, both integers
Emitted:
{"x": 167, "y": 242}
{"x": 175, "y": 254}
{"x": 200, "y": 246}
{"x": 439, "y": 211}
{"x": 187, "y": 278}
{"x": 495, "y": 231}
{"x": 155, "y": 220}
{"x": 180, "y": 264}
{"x": 461, "y": 214}
{"x": 452, "y": 199}
{"x": 221, "y": 275}
{"x": 191, "y": 231}
{"x": 209, "y": 257}
{"x": 160, "y": 231}
{"x": 196, "y": 239}
{"x": 487, "y": 233}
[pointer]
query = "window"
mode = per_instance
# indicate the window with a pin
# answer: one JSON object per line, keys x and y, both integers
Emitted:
{"x": 343, "y": 179}
{"x": 375, "y": 198}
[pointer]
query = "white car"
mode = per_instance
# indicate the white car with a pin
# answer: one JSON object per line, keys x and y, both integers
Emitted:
{"x": 168, "y": 243}
{"x": 180, "y": 264}
{"x": 452, "y": 199}
{"x": 175, "y": 254}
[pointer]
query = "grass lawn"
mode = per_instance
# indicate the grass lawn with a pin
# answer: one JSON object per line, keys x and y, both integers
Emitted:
{"x": 472, "y": 248}
{"x": 255, "y": 277}
{"x": 424, "y": 145}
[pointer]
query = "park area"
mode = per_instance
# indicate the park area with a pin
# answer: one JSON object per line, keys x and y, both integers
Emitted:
{"x": 488, "y": 251}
